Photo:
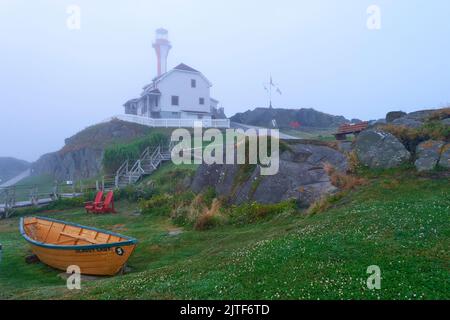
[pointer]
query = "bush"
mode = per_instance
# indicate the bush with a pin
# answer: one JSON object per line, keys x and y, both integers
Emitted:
{"x": 341, "y": 180}
{"x": 411, "y": 137}
{"x": 157, "y": 205}
{"x": 134, "y": 193}
{"x": 116, "y": 154}
{"x": 440, "y": 114}
{"x": 208, "y": 196}
{"x": 435, "y": 130}
{"x": 210, "y": 217}
{"x": 353, "y": 162}
{"x": 173, "y": 180}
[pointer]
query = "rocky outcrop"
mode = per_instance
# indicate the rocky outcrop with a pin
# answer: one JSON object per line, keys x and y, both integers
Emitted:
{"x": 78, "y": 164}
{"x": 81, "y": 157}
{"x": 414, "y": 119}
{"x": 286, "y": 118}
{"x": 301, "y": 176}
{"x": 444, "y": 160}
{"x": 408, "y": 122}
{"x": 428, "y": 154}
{"x": 379, "y": 149}
{"x": 394, "y": 115}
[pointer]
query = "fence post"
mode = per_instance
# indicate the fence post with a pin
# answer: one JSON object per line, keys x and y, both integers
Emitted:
{"x": 54, "y": 193}
{"x": 33, "y": 195}
{"x": 96, "y": 185}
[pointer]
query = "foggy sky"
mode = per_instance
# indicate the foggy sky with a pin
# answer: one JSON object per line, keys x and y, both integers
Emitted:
{"x": 55, "y": 81}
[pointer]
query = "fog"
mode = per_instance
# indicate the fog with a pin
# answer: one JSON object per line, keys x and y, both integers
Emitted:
{"x": 55, "y": 81}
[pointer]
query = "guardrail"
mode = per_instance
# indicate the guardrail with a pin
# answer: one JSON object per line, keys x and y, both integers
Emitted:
{"x": 172, "y": 123}
{"x": 19, "y": 196}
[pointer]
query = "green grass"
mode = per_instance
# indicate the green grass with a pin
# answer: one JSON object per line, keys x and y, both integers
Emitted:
{"x": 311, "y": 133}
{"x": 41, "y": 180}
{"x": 399, "y": 221}
{"x": 24, "y": 187}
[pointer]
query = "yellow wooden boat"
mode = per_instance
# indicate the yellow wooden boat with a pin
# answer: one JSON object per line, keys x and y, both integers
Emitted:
{"x": 61, "y": 244}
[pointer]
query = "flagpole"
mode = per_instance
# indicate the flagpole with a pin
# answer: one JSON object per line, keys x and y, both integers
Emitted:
{"x": 270, "y": 92}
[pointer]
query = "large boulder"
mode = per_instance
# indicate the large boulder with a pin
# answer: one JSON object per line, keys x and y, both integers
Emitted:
{"x": 421, "y": 115}
{"x": 415, "y": 119}
{"x": 444, "y": 160}
{"x": 309, "y": 118}
{"x": 408, "y": 122}
{"x": 301, "y": 176}
{"x": 428, "y": 154}
{"x": 379, "y": 149}
{"x": 393, "y": 115}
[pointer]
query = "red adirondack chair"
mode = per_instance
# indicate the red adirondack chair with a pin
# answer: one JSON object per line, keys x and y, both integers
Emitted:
{"x": 107, "y": 205}
{"x": 90, "y": 205}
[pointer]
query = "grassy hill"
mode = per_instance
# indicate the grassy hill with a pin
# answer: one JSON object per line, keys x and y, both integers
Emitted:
{"x": 398, "y": 221}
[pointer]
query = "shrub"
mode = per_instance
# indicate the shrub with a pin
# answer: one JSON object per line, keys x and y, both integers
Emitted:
{"x": 411, "y": 137}
{"x": 157, "y": 205}
{"x": 134, "y": 193}
{"x": 209, "y": 196}
{"x": 210, "y": 217}
{"x": 353, "y": 162}
{"x": 440, "y": 114}
{"x": 341, "y": 180}
{"x": 189, "y": 208}
{"x": 173, "y": 180}
{"x": 435, "y": 130}
{"x": 116, "y": 154}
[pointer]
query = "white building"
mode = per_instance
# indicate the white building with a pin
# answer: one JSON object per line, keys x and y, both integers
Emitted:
{"x": 180, "y": 93}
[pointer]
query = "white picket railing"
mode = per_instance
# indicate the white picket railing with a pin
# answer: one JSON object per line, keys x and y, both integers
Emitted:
{"x": 172, "y": 123}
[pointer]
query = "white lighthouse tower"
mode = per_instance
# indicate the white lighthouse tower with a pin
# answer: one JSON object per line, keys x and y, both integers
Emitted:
{"x": 162, "y": 47}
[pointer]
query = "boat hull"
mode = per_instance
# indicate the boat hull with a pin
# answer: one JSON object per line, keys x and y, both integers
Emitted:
{"x": 104, "y": 261}
{"x": 61, "y": 244}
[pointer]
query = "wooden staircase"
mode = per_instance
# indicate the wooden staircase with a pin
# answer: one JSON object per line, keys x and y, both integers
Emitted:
{"x": 130, "y": 173}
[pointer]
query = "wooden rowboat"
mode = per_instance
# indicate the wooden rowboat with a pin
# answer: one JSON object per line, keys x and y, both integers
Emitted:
{"x": 61, "y": 244}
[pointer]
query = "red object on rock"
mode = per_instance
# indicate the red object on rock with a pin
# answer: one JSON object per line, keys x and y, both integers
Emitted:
{"x": 294, "y": 124}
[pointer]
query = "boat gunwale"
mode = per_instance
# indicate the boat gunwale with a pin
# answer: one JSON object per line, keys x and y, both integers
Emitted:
{"x": 128, "y": 242}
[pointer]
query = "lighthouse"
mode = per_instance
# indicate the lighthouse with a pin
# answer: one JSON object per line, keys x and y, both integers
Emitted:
{"x": 162, "y": 47}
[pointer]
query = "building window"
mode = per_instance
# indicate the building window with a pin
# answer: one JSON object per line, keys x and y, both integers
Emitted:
{"x": 175, "y": 100}
{"x": 193, "y": 83}
{"x": 201, "y": 101}
{"x": 199, "y": 116}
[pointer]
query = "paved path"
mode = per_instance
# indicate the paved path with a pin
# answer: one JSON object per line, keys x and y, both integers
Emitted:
{"x": 16, "y": 179}
{"x": 236, "y": 125}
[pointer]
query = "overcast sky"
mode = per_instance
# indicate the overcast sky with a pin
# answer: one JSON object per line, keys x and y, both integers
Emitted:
{"x": 55, "y": 81}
